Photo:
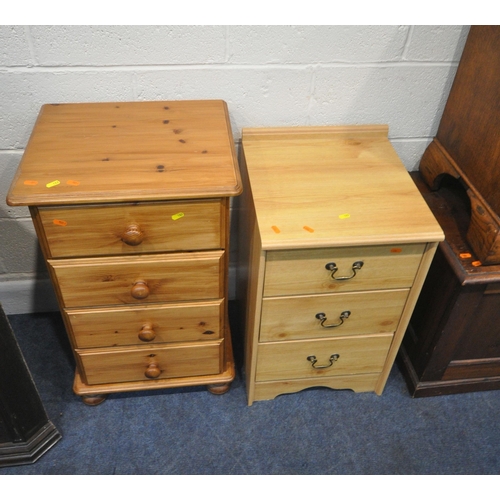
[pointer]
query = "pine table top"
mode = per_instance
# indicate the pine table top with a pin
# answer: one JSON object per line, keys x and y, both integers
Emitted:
{"x": 333, "y": 186}
{"x": 127, "y": 151}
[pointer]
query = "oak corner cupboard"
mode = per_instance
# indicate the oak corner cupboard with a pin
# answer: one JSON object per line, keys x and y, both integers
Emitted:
{"x": 335, "y": 243}
{"x": 130, "y": 202}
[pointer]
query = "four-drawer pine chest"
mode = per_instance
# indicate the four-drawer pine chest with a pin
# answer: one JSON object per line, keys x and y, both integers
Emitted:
{"x": 335, "y": 243}
{"x": 130, "y": 202}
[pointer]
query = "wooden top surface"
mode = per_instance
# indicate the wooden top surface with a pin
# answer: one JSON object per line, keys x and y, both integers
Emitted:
{"x": 127, "y": 151}
{"x": 333, "y": 186}
{"x": 450, "y": 206}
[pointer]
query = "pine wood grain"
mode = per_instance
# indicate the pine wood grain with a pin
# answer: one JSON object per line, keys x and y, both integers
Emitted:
{"x": 127, "y": 151}
{"x": 130, "y": 202}
{"x": 288, "y": 360}
{"x": 310, "y": 188}
{"x": 357, "y": 383}
{"x": 224, "y": 376}
{"x": 316, "y": 196}
{"x": 161, "y": 227}
{"x": 130, "y": 364}
{"x": 301, "y": 271}
{"x": 104, "y": 281}
{"x": 119, "y": 326}
{"x": 291, "y": 318}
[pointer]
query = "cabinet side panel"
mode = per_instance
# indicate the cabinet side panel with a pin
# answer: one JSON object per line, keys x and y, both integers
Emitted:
{"x": 42, "y": 240}
{"x": 251, "y": 267}
{"x": 224, "y": 277}
{"x": 425, "y": 264}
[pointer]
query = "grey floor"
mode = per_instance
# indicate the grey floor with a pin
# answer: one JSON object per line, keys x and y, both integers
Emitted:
{"x": 190, "y": 431}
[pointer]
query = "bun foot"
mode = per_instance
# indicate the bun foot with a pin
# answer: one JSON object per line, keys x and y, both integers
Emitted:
{"x": 94, "y": 400}
{"x": 218, "y": 388}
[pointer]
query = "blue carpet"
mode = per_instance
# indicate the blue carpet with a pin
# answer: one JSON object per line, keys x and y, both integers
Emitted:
{"x": 190, "y": 431}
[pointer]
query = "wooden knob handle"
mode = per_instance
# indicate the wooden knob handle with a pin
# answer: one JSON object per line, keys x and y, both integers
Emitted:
{"x": 153, "y": 370}
{"x": 140, "y": 290}
{"x": 133, "y": 235}
{"x": 147, "y": 334}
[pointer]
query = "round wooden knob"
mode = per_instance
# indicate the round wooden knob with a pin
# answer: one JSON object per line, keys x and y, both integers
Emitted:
{"x": 140, "y": 290}
{"x": 147, "y": 334}
{"x": 152, "y": 371}
{"x": 133, "y": 235}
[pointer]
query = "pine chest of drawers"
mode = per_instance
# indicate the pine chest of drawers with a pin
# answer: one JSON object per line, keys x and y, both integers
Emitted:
{"x": 130, "y": 202}
{"x": 335, "y": 244}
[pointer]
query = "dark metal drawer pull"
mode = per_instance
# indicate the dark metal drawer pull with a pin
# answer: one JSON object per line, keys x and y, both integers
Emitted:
{"x": 356, "y": 266}
{"x": 343, "y": 316}
{"x": 313, "y": 360}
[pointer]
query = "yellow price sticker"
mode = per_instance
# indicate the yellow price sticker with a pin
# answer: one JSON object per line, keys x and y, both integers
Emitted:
{"x": 344, "y": 216}
{"x": 52, "y": 184}
{"x": 177, "y": 216}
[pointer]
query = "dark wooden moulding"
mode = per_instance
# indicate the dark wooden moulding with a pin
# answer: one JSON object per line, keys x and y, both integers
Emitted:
{"x": 467, "y": 144}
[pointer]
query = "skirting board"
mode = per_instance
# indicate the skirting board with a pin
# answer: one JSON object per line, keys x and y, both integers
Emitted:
{"x": 30, "y": 295}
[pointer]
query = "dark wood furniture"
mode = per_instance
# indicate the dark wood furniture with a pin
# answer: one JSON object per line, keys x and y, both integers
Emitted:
{"x": 26, "y": 433}
{"x": 467, "y": 144}
{"x": 452, "y": 344}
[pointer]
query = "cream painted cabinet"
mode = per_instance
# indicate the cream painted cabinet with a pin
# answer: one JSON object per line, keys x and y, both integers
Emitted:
{"x": 335, "y": 242}
{"x": 131, "y": 206}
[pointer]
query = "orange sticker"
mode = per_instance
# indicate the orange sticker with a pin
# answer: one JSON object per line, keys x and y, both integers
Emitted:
{"x": 73, "y": 183}
{"x": 310, "y": 229}
{"x": 476, "y": 263}
{"x": 59, "y": 222}
{"x": 276, "y": 229}
{"x": 52, "y": 184}
{"x": 177, "y": 216}
{"x": 396, "y": 250}
{"x": 465, "y": 255}
{"x": 30, "y": 183}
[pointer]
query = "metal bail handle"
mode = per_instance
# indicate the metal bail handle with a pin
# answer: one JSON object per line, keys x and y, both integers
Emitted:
{"x": 343, "y": 316}
{"x": 356, "y": 266}
{"x": 313, "y": 360}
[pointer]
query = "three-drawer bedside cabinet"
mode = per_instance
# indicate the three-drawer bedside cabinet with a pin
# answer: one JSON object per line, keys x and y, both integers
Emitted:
{"x": 131, "y": 203}
{"x": 335, "y": 243}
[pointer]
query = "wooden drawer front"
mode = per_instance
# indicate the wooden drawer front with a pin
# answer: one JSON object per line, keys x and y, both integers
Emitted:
{"x": 288, "y": 360}
{"x": 292, "y": 318}
{"x": 139, "y": 280}
{"x": 133, "y": 228}
{"x": 292, "y": 272}
{"x": 199, "y": 321}
{"x": 128, "y": 365}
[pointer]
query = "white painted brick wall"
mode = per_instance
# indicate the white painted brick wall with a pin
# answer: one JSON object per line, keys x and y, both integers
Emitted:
{"x": 268, "y": 75}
